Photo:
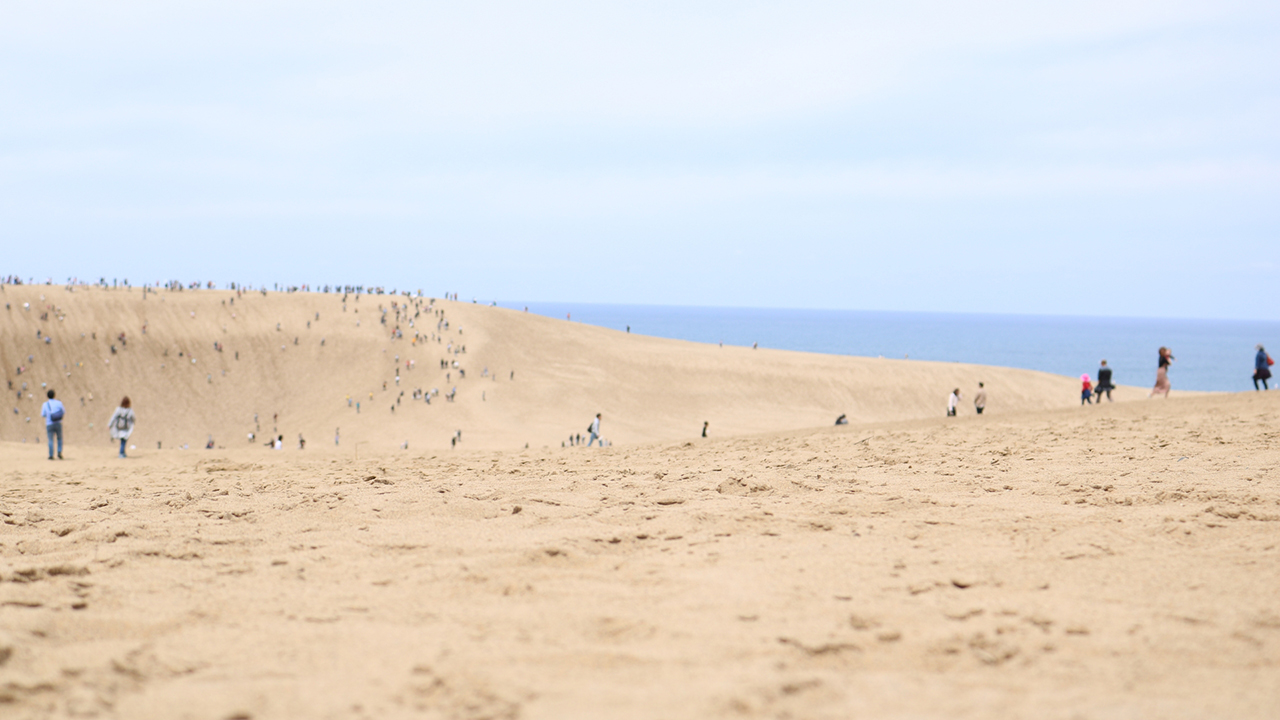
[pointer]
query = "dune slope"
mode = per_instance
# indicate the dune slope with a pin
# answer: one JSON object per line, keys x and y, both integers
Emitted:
{"x": 301, "y": 363}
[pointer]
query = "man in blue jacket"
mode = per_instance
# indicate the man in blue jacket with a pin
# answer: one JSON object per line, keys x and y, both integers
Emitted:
{"x": 1261, "y": 369}
{"x": 52, "y": 412}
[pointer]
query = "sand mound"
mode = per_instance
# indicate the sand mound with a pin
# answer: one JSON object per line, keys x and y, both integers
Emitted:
{"x": 301, "y": 363}
{"x": 1060, "y": 564}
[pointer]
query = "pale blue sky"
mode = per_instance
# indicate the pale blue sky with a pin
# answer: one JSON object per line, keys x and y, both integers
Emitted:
{"x": 1117, "y": 158}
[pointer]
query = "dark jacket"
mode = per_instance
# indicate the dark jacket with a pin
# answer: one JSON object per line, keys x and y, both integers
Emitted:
{"x": 1104, "y": 379}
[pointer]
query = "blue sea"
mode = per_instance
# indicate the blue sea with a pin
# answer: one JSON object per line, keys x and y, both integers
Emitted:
{"x": 1210, "y": 354}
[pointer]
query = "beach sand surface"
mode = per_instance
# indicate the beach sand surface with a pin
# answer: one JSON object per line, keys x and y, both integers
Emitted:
{"x": 546, "y": 380}
{"x": 1040, "y": 561}
{"x": 1055, "y": 564}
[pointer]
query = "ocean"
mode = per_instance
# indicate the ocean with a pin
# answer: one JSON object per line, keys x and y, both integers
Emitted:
{"x": 1215, "y": 355}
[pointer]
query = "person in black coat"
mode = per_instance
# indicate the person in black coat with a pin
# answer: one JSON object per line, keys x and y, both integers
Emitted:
{"x": 1104, "y": 382}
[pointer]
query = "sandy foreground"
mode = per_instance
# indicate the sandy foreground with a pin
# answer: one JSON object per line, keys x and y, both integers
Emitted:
{"x": 1112, "y": 562}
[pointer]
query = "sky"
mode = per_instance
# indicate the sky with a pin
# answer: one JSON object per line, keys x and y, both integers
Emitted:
{"x": 1088, "y": 158}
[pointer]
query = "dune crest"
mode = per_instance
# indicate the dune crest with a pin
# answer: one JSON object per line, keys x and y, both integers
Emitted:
{"x": 203, "y": 363}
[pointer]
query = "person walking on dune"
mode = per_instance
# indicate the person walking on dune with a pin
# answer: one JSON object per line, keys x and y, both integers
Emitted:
{"x": 1086, "y": 390}
{"x": 122, "y": 421}
{"x": 953, "y": 402}
{"x": 52, "y": 412}
{"x": 705, "y": 424}
{"x": 1104, "y": 383}
{"x": 1162, "y": 374}
{"x": 1262, "y": 363}
{"x": 980, "y": 399}
{"x": 594, "y": 429}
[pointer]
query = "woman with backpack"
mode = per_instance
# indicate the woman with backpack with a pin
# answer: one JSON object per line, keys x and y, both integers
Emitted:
{"x": 121, "y": 423}
{"x": 1262, "y": 363}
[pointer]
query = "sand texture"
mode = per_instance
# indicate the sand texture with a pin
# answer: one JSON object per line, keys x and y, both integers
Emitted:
{"x": 1041, "y": 561}
{"x": 546, "y": 377}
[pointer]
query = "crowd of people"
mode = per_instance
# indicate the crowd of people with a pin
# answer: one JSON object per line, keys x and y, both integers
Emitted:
{"x": 405, "y": 311}
{"x": 183, "y": 285}
{"x": 1091, "y": 391}
{"x": 402, "y": 316}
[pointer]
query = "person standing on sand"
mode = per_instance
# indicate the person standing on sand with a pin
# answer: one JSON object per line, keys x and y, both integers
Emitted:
{"x": 1104, "y": 383}
{"x": 980, "y": 399}
{"x": 594, "y": 429}
{"x": 122, "y": 421}
{"x": 953, "y": 402}
{"x": 705, "y": 425}
{"x": 1261, "y": 368}
{"x": 1162, "y": 374}
{"x": 52, "y": 412}
{"x": 1086, "y": 390}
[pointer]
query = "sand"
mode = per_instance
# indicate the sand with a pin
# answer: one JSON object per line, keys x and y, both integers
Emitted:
{"x": 648, "y": 389}
{"x": 1036, "y": 562}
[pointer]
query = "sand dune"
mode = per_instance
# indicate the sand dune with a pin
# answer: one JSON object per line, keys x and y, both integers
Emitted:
{"x": 648, "y": 389}
{"x": 1041, "y": 561}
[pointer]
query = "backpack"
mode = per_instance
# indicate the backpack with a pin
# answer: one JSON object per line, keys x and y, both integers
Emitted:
{"x": 589, "y": 427}
{"x": 122, "y": 422}
{"x": 56, "y": 414}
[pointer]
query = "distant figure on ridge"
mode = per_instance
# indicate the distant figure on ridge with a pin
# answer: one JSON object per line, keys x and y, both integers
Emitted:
{"x": 1104, "y": 383}
{"x": 953, "y": 402}
{"x": 842, "y": 420}
{"x": 1086, "y": 390}
{"x": 980, "y": 399}
{"x": 1262, "y": 363}
{"x": 1162, "y": 374}
{"x": 52, "y": 412}
{"x": 705, "y": 425}
{"x": 122, "y": 422}
{"x": 594, "y": 429}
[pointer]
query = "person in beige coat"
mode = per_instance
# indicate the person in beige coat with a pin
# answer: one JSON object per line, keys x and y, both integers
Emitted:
{"x": 122, "y": 422}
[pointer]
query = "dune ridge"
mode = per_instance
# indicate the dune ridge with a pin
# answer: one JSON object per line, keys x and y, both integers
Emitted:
{"x": 1042, "y": 561}
{"x": 546, "y": 377}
